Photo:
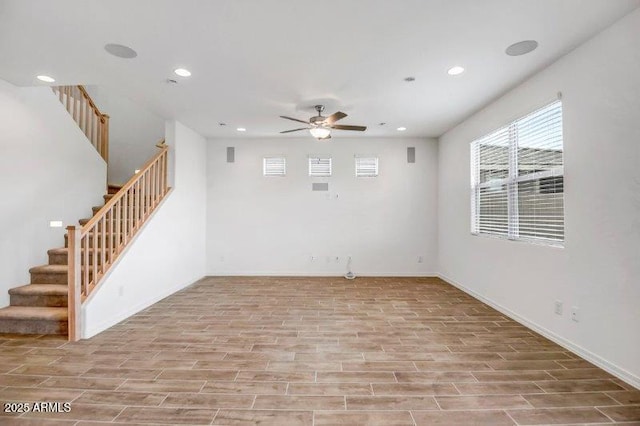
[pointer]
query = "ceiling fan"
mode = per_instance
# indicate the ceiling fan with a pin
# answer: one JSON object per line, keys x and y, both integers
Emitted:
{"x": 320, "y": 127}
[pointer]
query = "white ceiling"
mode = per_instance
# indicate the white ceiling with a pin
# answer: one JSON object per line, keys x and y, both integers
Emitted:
{"x": 253, "y": 60}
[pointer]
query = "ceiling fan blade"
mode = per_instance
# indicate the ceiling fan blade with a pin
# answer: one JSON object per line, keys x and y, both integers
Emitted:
{"x": 295, "y": 130}
{"x": 357, "y": 128}
{"x": 335, "y": 117}
{"x": 294, "y": 119}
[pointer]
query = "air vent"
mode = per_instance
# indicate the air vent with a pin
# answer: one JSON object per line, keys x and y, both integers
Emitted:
{"x": 411, "y": 154}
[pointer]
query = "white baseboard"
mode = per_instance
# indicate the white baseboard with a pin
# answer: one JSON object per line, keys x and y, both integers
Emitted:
{"x": 609, "y": 367}
{"x": 318, "y": 274}
{"x": 111, "y": 321}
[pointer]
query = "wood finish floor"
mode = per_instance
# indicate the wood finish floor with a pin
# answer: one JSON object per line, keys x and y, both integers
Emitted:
{"x": 312, "y": 351}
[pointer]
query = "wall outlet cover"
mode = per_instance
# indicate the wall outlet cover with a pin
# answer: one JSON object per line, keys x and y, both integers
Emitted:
{"x": 558, "y": 307}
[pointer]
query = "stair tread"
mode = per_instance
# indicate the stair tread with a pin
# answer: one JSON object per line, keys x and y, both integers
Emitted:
{"x": 58, "y": 250}
{"x": 39, "y": 290}
{"x": 34, "y": 313}
{"x": 49, "y": 269}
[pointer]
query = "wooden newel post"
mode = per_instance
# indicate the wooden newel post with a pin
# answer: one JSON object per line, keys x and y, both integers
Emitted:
{"x": 73, "y": 300}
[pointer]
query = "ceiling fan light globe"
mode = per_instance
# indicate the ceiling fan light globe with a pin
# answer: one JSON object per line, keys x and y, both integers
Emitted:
{"x": 320, "y": 132}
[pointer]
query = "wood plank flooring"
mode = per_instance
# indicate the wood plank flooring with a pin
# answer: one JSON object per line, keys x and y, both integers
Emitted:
{"x": 312, "y": 351}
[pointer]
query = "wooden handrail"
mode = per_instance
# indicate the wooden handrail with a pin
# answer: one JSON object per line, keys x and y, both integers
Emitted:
{"x": 93, "y": 123}
{"x": 130, "y": 183}
{"x": 94, "y": 248}
{"x": 84, "y": 93}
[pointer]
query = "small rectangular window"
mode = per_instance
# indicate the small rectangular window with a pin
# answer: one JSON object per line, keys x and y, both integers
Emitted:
{"x": 366, "y": 166}
{"x": 274, "y": 166}
{"x": 320, "y": 166}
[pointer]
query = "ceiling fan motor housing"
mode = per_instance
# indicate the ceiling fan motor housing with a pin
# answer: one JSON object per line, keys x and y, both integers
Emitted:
{"x": 317, "y": 120}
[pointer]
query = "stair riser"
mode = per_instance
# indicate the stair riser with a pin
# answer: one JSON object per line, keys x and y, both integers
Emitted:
{"x": 57, "y": 259}
{"x": 52, "y": 301}
{"x": 48, "y": 278}
{"x": 33, "y": 326}
{"x": 61, "y": 259}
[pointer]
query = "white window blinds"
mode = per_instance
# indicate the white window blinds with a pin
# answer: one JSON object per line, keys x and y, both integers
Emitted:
{"x": 366, "y": 166}
{"x": 517, "y": 178}
{"x": 320, "y": 166}
{"x": 274, "y": 166}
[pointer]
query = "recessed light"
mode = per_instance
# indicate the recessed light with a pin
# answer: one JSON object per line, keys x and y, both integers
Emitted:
{"x": 457, "y": 70}
{"x": 521, "y": 48}
{"x": 182, "y": 72}
{"x": 120, "y": 51}
{"x": 46, "y": 78}
{"x": 402, "y": 129}
{"x": 241, "y": 129}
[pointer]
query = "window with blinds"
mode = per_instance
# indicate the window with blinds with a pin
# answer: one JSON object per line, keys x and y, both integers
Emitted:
{"x": 320, "y": 166}
{"x": 274, "y": 166}
{"x": 517, "y": 179}
{"x": 366, "y": 166}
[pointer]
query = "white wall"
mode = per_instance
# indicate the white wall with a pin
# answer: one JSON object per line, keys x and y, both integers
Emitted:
{"x": 169, "y": 252}
{"x": 598, "y": 270}
{"x": 260, "y": 225}
{"x": 48, "y": 171}
{"x": 133, "y": 132}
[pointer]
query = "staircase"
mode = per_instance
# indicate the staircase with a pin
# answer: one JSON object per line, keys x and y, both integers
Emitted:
{"x": 52, "y": 302}
{"x": 41, "y": 306}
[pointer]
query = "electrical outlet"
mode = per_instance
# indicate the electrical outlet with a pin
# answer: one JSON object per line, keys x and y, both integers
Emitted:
{"x": 558, "y": 307}
{"x": 575, "y": 313}
{"x": 420, "y": 259}
{"x": 337, "y": 259}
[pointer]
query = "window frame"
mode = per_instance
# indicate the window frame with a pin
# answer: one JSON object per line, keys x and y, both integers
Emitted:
{"x": 367, "y": 157}
{"x": 265, "y": 161}
{"x": 310, "y": 160}
{"x": 513, "y": 180}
